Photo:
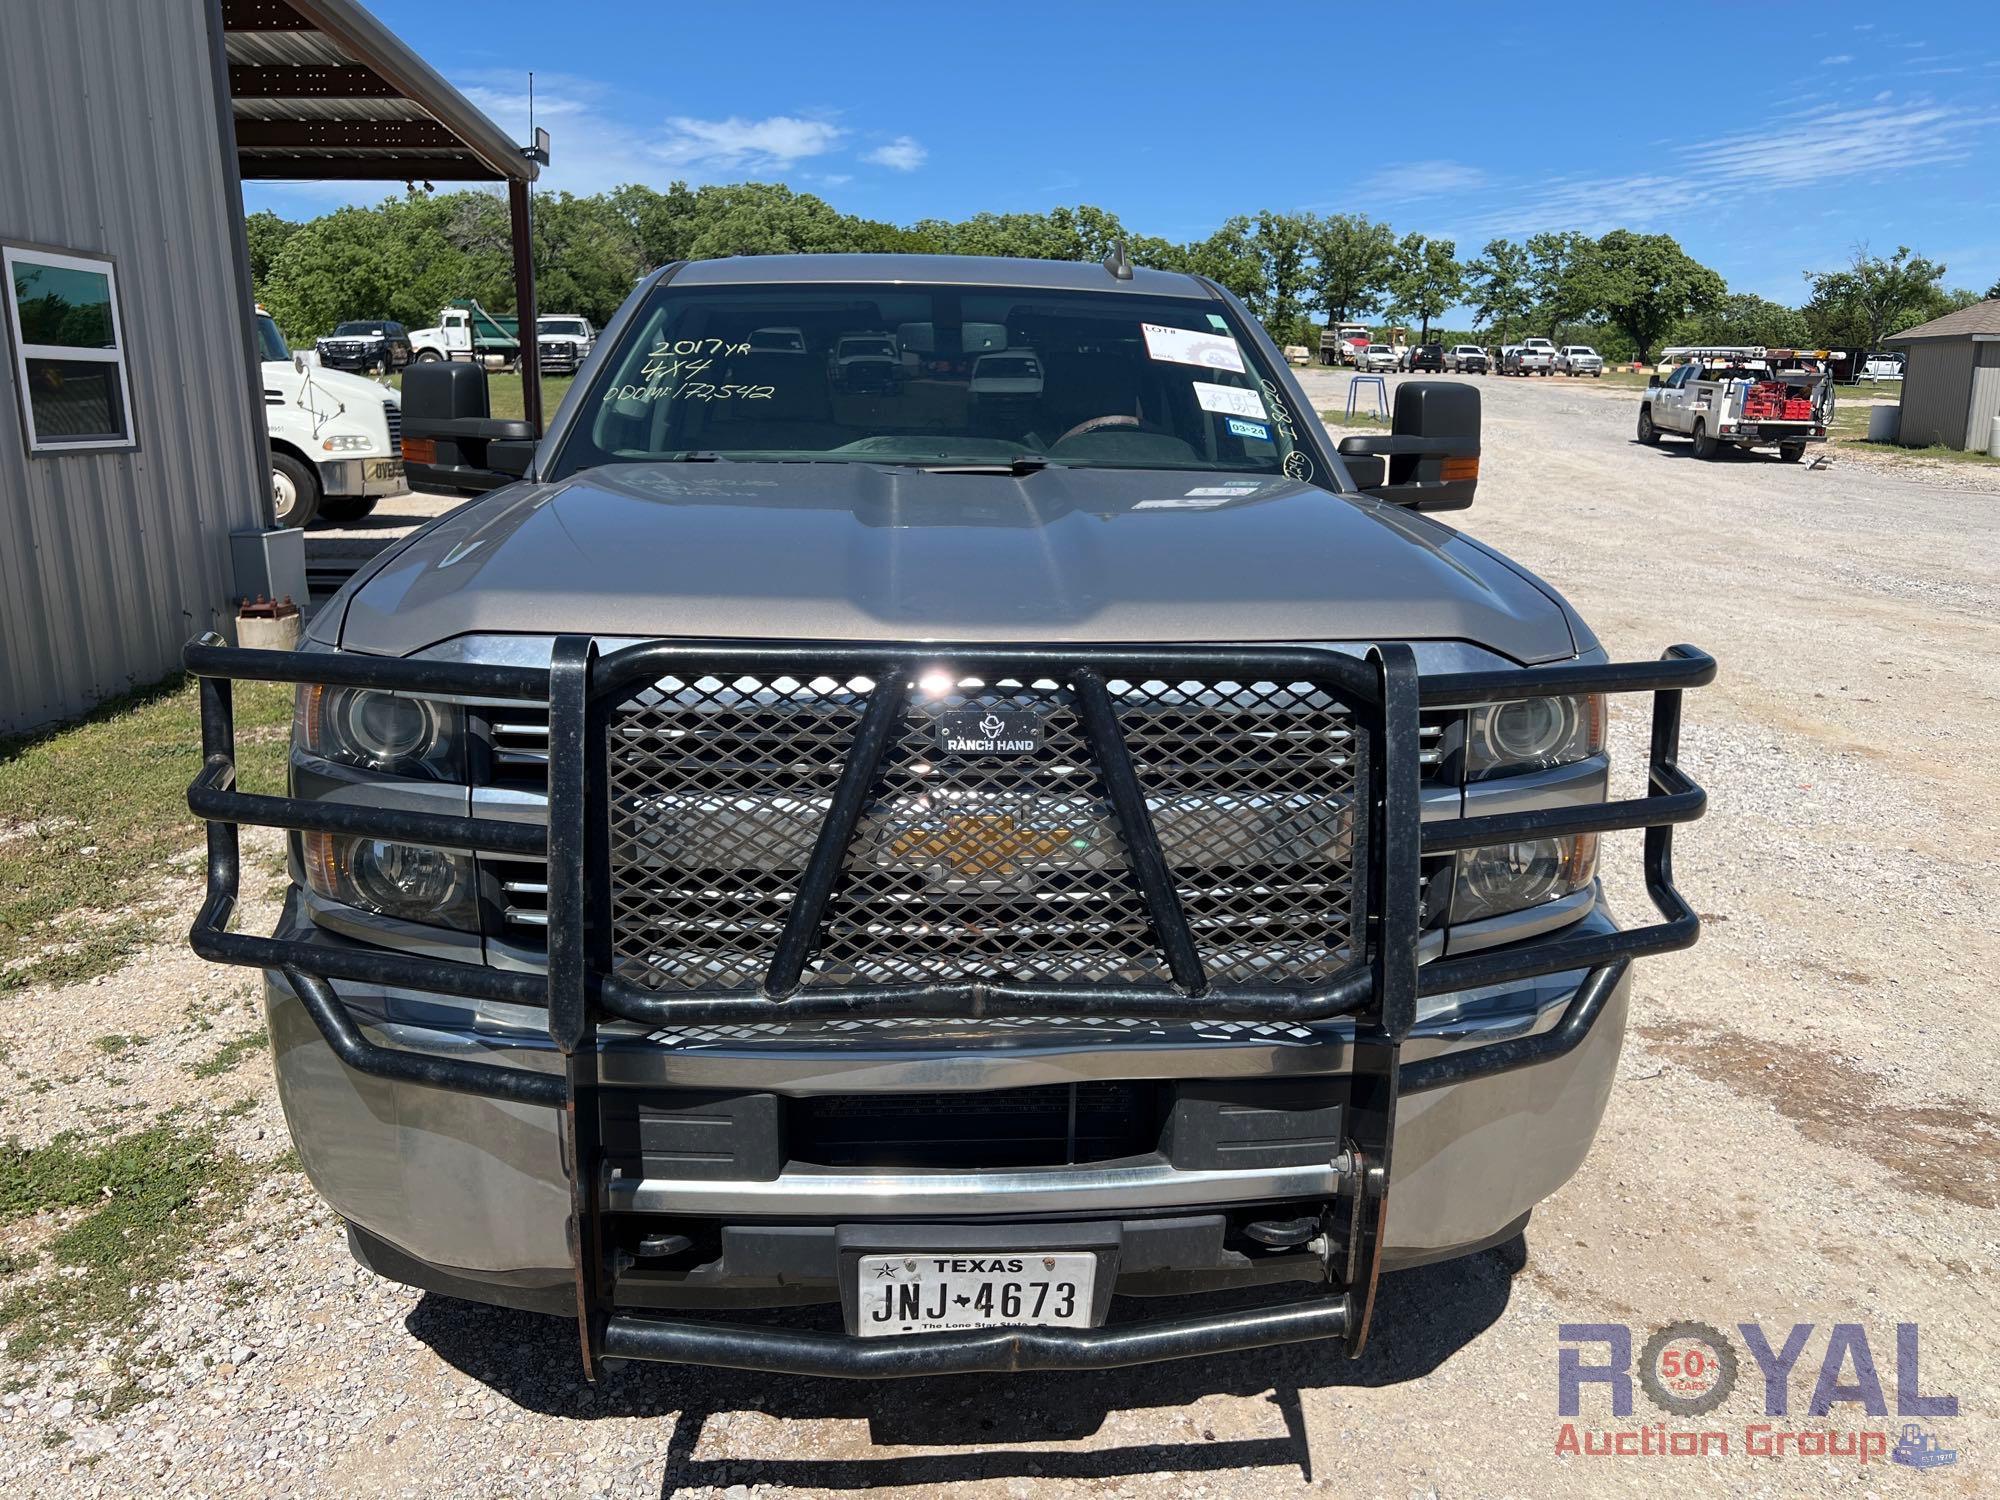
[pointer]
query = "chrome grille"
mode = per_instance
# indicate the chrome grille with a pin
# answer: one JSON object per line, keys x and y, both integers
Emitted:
{"x": 979, "y": 867}
{"x": 393, "y": 412}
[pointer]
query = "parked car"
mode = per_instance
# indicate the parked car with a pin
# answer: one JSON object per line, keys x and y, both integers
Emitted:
{"x": 1376, "y": 357}
{"x": 563, "y": 341}
{"x": 370, "y": 345}
{"x": 1529, "y": 357}
{"x": 1579, "y": 359}
{"x": 866, "y": 362}
{"x": 1427, "y": 357}
{"x": 1467, "y": 359}
{"x": 336, "y": 439}
{"x": 931, "y": 862}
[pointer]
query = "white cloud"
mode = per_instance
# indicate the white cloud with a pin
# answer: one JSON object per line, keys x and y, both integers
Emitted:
{"x": 1810, "y": 147}
{"x": 738, "y": 145}
{"x": 1422, "y": 179}
{"x": 1836, "y": 60}
{"x": 903, "y": 154}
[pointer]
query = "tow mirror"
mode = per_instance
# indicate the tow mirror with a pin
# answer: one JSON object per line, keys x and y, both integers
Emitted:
{"x": 452, "y": 445}
{"x": 1430, "y": 459}
{"x": 1653, "y": 382}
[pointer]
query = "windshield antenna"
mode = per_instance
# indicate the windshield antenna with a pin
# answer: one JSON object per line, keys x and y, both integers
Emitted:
{"x": 1117, "y": 263}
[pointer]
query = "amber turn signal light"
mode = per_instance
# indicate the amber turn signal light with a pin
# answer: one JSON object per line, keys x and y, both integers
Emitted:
{"x": 1455, "y": 469}
{"x": 418, "y": 450}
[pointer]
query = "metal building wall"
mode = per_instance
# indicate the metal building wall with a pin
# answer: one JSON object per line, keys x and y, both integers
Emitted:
{"x": 1985, "y": 405}
{"x": 1937, "y": 387}
{"x": 108, "y": 561}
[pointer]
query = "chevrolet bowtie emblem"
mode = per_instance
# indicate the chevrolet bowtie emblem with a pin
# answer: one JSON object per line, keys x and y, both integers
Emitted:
{"x": 977, "y": 845}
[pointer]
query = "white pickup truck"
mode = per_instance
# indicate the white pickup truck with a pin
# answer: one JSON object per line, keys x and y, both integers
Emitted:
{"x": 336, "y": 439}
{"x": 1529, "y": 357}
{"x": 1737, "y": 405}
{"x": 1579, "y": 359}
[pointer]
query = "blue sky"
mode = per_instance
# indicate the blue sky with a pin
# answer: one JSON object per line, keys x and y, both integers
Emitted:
{"x": 1781, "y": 138}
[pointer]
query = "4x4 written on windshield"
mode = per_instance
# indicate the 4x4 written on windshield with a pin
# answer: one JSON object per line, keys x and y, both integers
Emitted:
{"x": 674, "y": 371}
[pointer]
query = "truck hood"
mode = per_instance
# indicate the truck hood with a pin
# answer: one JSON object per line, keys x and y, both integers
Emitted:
{"x": 343, "y": 388}
{"x": 855, "y": 551}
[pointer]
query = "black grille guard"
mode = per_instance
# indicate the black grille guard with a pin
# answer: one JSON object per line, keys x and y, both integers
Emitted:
{"x": 1379, "y": 990}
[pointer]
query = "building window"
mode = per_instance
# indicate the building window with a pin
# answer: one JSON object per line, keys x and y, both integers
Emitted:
{"x": 69, "y": 350}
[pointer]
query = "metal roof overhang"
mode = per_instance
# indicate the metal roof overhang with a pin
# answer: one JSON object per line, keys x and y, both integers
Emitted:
{"x": 320, "y": 90}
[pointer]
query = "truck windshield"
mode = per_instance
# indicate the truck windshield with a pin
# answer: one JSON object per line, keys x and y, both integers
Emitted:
{"x": 1092, "y": 380}
{"x": 270, "y": 342}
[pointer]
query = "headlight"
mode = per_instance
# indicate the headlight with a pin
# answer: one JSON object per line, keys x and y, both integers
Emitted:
{"x": 386, "y": 732}
{"x": 409, "y": 881}
{"x": 1504, "y": 878}
{"x": 1533, "y": 734}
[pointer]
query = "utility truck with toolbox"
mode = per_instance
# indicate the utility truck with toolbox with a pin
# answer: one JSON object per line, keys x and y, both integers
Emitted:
{"x": 1720, "y": 400}
{"x": 970, "y": 862}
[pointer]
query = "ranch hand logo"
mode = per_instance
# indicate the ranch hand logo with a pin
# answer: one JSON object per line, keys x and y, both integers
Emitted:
{"x": 989, "y": 731}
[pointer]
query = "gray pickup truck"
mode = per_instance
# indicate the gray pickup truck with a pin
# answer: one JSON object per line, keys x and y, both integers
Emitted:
{"x": 957, "y": 858}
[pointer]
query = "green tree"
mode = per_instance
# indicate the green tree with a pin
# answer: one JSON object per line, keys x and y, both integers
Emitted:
{"x": 1352, "y": 255}
{"x": 1283, "y": 245}
{"x": 1992, "y": 293}
{"x": 1557, "y": 261}
{"x": 1643, "y": 284}
{"x": 1872, "y": 297}
{"x": 266, "y": 233}
{"x": 1425, "y": 278}
{"x": 1501, "y": 278}
{"x": 1745, "y": 318}
{"x": 586, "y": 256}
{"x": 1229, "y": 258}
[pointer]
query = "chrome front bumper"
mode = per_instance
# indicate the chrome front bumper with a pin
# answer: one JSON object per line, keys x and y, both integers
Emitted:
{"x": 476, "y": 1185}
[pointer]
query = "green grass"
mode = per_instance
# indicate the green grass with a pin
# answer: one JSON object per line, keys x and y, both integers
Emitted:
{"x": 153, "y": 1197}
{"x": 88, "y": 811}
{"x": 230, "y": 1054}
{"x": 1363, "y": 417}
{"x": 504, "y": 396}
{"x": 1850, "y": 429}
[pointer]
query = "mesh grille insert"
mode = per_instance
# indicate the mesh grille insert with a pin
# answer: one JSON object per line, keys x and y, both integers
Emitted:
{"x": 973, "y": 866}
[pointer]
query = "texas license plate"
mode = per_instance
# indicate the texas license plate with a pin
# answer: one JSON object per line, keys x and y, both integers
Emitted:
{"x": 920, "y": 1293}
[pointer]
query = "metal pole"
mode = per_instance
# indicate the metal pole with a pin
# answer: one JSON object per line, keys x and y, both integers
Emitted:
{"x": 524, "y": 301}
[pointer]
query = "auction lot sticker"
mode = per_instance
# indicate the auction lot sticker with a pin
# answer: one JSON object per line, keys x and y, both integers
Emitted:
{"x": 1190, "y": 346}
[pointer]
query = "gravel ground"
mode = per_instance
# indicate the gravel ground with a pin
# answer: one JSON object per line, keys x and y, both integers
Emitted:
{"x": 1803, "y": 1130}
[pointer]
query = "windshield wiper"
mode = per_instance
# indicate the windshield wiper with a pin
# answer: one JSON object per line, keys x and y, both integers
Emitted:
{"x": 698, "y": 456}
{"x": 1018, "y": 465}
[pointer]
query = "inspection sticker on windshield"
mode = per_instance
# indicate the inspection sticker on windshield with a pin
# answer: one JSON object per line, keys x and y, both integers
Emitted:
{"x": 1229, "y": 400}
{"x": 1189, "y": 346}
{"x": 1240, "y": 428}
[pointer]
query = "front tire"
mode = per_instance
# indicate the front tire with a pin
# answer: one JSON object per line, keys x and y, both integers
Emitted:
{"x": 294, "y": 491}
{"x": 1648, "y": 433}
{"x": 345, "y": 510}
{"x": 430, "y": 357}
{"x": 1704, "y": 445}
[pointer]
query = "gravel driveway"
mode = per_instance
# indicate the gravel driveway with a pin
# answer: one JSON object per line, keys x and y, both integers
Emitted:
{"x": 1804, "y": 1129}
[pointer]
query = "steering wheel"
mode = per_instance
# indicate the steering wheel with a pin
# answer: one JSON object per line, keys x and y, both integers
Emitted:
{"x": 1100, "y": 424}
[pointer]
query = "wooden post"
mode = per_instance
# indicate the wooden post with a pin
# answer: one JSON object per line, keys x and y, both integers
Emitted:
{"x": 524, "y": 301}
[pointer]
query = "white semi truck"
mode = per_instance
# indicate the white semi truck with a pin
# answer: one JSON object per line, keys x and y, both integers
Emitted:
{"x": 336, "y": 439}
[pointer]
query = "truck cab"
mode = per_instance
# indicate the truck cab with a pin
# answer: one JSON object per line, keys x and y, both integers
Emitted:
{"x": 336, "y": 439}
{"x": 942, "y": 863}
